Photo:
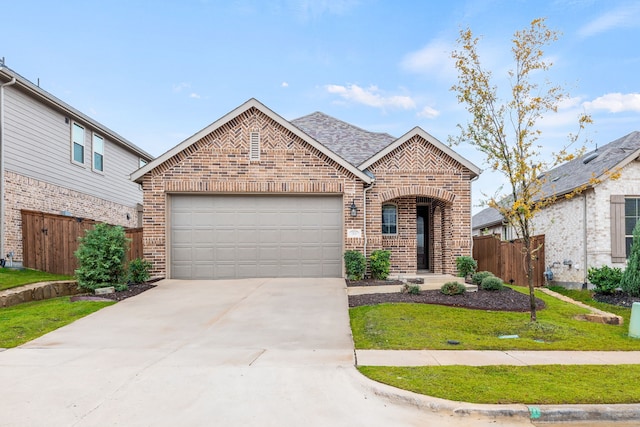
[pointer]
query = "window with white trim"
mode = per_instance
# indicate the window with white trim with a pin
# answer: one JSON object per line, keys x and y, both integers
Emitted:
{"x": 142, "y": 163}
{"x": 98, "y": 153}
{"x": 77, "y": 143}
{"x": 631, "y": 217}
{"x": 254, "y": 146}
{"x": 389, "y": 219}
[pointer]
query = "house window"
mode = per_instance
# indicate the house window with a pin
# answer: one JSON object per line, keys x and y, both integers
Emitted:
{"x": 98, "y": 153}
{"x": 142, "y": 163}
{"x": 254, "y": 146}
{"x": 389, "y": 219}
{"x": 77, "y": 143}
{"x": 631, "y": 216}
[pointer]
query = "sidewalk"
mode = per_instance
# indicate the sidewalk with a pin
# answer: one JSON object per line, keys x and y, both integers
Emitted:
{"x": 493, "y": 357}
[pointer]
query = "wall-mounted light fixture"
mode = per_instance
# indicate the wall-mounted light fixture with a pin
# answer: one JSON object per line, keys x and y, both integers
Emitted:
{"x": 353, "y": 209}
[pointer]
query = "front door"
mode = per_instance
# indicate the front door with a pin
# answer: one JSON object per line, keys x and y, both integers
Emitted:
{"x": 422, "y": 236}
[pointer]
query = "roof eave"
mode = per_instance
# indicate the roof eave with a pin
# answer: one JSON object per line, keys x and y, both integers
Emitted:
{"x": 251, "y": 103}
{"x": 45, "y": 96}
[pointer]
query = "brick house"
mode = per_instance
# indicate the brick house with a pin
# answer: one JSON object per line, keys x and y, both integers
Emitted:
{"x": 255, "y": 195}
{"x": 55, "y": 159}
{"x": 593, "y": 228}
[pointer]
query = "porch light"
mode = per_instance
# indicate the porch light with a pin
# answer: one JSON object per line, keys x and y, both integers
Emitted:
{"x": 353, "y": 209}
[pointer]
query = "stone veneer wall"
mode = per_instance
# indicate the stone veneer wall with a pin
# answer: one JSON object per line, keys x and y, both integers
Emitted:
{"x": 22, "y": 192}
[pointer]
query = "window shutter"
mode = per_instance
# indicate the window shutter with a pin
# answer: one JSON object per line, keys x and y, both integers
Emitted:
{"x": 254, "y": 146}
{"x": 618, "y": 248}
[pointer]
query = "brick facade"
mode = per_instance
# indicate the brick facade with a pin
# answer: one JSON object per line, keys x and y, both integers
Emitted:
{"x": 563, "y": 225}
{"x": 22, "y": 192}
{"x": 219, "y": 163}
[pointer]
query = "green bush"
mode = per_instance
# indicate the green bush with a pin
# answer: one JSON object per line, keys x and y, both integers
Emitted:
{"x": 453, "y": 288}
{"x": 355, "y": 265}
{"x": 410, "y": 289}
{"x": 380, "y": 263}
{"x": 492, "y": 283}
{"x": 466, "y": 266}
{"x": 605, "y": 279}
{"x": 479, "y": 276}
{"x": 630, "y": 282}
{"x": 101, "y": 256}
{"x": 138, "y": 270}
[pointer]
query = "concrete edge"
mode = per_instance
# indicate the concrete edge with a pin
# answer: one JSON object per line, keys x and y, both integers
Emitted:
{"x": 539, "y": 413}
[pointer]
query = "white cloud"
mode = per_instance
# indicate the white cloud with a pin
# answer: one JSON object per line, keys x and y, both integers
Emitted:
{"x": 429, "y": 113}
{"x": 284, "y": 84}
{"x": 434, "y": 58}
{"x": 179, "y": 87}
{"x": 194, "y": 95}
{"x": 371, "y": 97}
{"x": 615, "y": 102}
{"x": 622, "y": 17}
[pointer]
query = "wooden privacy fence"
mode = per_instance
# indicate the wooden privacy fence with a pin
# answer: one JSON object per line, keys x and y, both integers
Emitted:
{"x": 505, "y": 259}
{"x": 49, "y": 241}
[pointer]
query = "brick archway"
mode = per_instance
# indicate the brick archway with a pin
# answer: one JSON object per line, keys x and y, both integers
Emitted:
{"x": 419, "y": 191}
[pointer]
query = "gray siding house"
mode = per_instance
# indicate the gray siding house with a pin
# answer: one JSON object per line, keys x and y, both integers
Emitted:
{"x": 594, "y": 228}
{"x": 55, "y": 159}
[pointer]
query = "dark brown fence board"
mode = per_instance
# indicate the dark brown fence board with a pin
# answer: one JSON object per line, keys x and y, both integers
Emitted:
{"x": 49, "y": 241}
{"x": 506, "y": 260}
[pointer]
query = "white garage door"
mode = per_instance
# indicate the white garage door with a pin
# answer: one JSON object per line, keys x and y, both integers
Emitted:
{"x": 234, "y": 236}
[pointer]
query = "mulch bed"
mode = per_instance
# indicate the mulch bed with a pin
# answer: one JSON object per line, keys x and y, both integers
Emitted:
{"x": 622, "y": 299}
{"x": 504, "y": 300}
{"x": 372, "y": 282}
{"x": 118, "y": 296}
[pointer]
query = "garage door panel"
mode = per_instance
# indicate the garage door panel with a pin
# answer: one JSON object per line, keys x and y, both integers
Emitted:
{"x": 216, "y": 236}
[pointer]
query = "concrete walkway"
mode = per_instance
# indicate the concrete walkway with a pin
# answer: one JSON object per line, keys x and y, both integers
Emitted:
{"x": 493, "y": 357}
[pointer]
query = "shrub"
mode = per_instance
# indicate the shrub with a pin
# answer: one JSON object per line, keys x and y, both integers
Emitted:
{"x": 101, "y": 256}
{"x": 479, "y": 276}
{"x": 410, "y": 289}
{"x": 138, "y": 270}
{"x": 630, "y": 282}
{"x": 355, "y": 264}
{"x": 466, "y": 266}
{"x": 492, "y": 283}
{"x": 453, "y": 288}
{"x": 380, "y": 263}
{"x": 605, "y": 279}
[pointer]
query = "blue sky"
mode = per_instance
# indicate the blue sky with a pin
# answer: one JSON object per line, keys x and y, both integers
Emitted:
{"x": 159, "y": 71}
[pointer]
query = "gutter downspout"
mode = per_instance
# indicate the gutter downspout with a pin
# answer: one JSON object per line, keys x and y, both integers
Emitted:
{"x": 2, "y": 233}
{"x": 364, "y": 214}
{"x": 584, "y": 237}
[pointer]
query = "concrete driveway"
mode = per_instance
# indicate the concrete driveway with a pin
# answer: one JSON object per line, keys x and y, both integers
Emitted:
{"x": 258, "y": 352}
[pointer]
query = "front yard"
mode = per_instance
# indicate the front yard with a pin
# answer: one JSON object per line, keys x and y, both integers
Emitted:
{"x": 10, "y": 278}
{"x": 424, "y": 326}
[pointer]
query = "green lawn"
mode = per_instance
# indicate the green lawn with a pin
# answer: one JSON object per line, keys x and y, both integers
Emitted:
{"x": 543, "y": 384}
{"x": 10, "y": 278}
{"x": 424, "y": 326}
{"x": 23, "y": 322}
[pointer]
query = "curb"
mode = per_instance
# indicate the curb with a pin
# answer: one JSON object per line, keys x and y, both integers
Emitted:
{"x": 538, "y": 413}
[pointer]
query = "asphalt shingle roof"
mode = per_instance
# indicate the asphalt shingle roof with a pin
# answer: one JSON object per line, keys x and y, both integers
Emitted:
{"x": 575, "y": 173}
{"x": 350, "y": 142}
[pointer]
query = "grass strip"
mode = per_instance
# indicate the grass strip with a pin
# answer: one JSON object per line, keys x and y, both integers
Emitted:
{"x": 24, "y": 322}
{"x": 427, "y": 326}
{"x": 542, "y": 384}
{"x": 10, "y": 278}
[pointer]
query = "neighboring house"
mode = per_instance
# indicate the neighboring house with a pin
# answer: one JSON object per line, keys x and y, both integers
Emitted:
{"x": 595, "y": 227}
{"x": 256, "y": 195}
{"x": 490, "y": 221}
{"x": 54, "y": 159}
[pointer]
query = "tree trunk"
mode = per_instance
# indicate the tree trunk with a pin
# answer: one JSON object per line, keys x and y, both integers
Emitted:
{"x": 529, "y": 265}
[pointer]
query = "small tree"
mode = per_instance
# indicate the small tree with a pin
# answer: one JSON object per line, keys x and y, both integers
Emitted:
{"x": 380, "y": 263}
{"x": 355, "y": 265}
{"x": 631, "y": 277}
{"x": 466, "y": 266}
{"x": 505, "y": 130}
{"x": 101, "y": 257}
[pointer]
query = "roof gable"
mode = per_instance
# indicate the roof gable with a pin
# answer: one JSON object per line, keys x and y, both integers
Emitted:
{"x": 346, "y": 140}
{"x": 417, "y": 131}
{"x": 252, "y": 103}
